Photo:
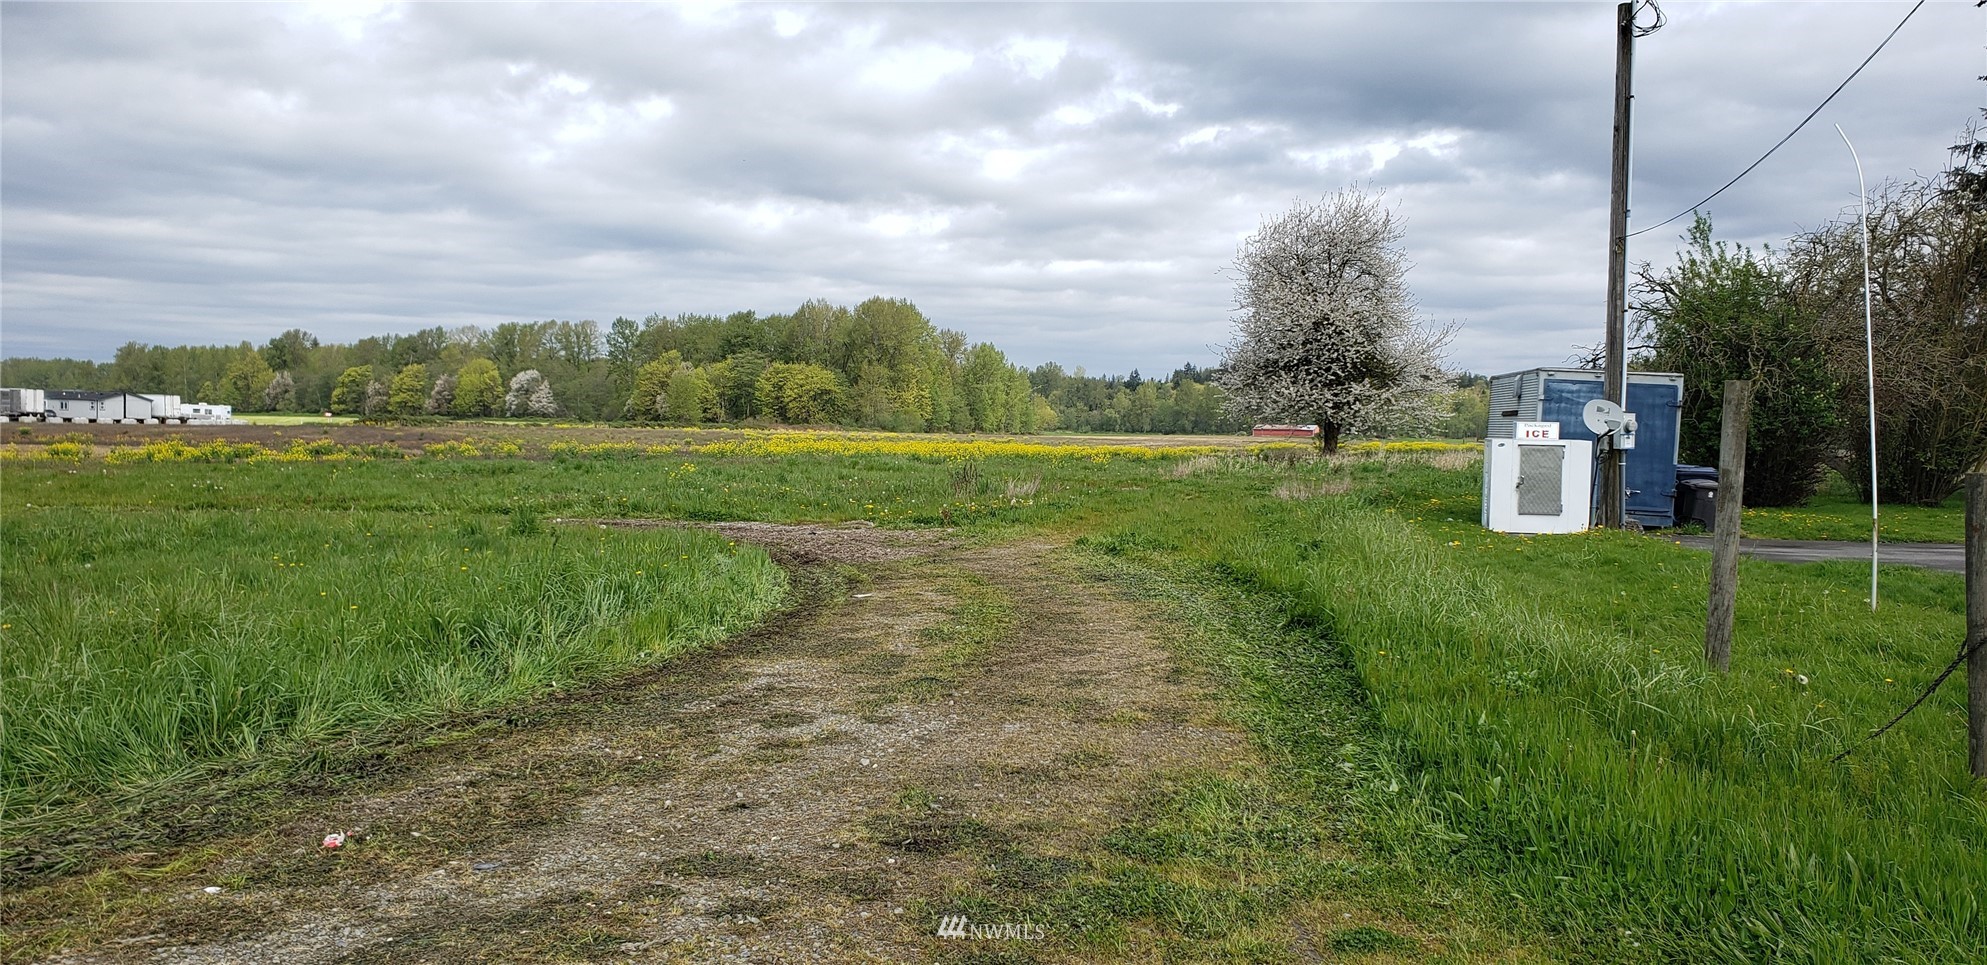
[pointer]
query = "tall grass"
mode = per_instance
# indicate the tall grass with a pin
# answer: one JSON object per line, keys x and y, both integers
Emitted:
{"x": 140, "y": 643}
{"x": 1552, "y": 692}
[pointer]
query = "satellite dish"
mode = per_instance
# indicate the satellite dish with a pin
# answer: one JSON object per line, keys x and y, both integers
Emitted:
{"x": 1603, "y": 417}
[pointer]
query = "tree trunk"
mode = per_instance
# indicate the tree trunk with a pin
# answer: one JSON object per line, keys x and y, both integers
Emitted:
{"x": 1328, "y": 433}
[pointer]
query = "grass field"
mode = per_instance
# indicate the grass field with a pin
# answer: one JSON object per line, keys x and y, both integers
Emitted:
{"x": 1836, "y": 513}
{"x": 163, "y": 617}
{"x": 1549, "y": 731}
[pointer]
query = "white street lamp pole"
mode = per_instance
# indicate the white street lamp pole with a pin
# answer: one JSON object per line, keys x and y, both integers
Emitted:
{"x": 1869, "y": 360}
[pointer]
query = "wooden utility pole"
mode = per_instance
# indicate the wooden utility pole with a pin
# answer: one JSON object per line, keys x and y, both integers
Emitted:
{"x": 1614, "y": 480}
{"x": 1976, "y": 623}
{"x": 1725, "y": 531}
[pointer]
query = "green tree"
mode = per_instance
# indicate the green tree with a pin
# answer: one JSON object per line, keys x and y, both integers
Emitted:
{"x": 289, "y": 350}
{"x": 515, "y": 346}
{"x": 348, "y": 397}
{"x": 624, "y": 343}
{"x": 804, "y": 335}
{"x": 409, "y": 392}
{"x": 996, "y": 393}
{"x": 479, "y": 390}
{"x": 800, "y": 393}
{"x": 651, "y": 381}
{"x": 1724, "y": 312}
{"x": 689, "y": 399}
{"x": 1469, "y": 413}
{"x": 577, "y": 343}
{"x": 424, "y": 346}
{"x": 246, "y": 377}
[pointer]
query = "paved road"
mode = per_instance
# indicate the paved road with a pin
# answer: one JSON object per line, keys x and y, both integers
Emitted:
{"x": 1934, "y": 556}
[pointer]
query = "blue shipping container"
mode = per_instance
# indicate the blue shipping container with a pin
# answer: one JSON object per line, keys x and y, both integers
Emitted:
{"x": 1561, "y": 395}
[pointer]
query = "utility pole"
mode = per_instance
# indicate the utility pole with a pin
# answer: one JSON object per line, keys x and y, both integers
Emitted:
{"x": 1614, "y": 478}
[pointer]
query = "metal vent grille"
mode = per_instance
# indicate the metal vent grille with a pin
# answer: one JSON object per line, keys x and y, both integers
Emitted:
{"x": 1539, "y": 472}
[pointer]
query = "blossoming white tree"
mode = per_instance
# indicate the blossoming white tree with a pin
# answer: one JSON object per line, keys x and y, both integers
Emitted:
{"x": 530, "y": 394}
{"x": 1325, "y": 327}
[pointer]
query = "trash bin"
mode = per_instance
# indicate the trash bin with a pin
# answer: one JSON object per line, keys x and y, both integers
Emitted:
{"x": 1697, "y": 502}
{"x": 1692, "y": 500}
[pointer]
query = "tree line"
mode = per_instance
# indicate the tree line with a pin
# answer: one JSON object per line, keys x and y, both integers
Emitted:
{"x": 881, "y": 364}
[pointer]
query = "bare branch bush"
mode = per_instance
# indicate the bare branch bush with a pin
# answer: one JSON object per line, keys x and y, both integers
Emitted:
{"x": 1928, "y": 263}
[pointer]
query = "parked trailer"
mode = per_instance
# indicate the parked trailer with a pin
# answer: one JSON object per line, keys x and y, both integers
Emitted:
{"x": 68, "y": 405}
{"x": 207, "y": 412}
{"x": 75, "y": 405}
{"x": 166, "y": 408}
{"x": 22, "y": 404}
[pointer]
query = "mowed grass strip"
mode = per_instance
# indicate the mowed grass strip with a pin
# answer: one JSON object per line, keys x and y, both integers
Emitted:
{"x": 141, "y": 642}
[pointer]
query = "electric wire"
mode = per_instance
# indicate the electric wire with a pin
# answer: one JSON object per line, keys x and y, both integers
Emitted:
{"x": 1797, "y": 127}
{"x": 1965, "y": 650}
{"x": 1662, "y": 19}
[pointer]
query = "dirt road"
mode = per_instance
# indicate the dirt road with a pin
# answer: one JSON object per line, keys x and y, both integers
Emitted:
{"x": 932, "y": 719}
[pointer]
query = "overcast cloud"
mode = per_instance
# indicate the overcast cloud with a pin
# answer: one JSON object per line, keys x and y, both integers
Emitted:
{"x": 1067, "y": 182}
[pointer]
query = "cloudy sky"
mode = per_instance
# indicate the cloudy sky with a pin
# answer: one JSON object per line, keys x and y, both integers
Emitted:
{"x": 1068, "y": 182}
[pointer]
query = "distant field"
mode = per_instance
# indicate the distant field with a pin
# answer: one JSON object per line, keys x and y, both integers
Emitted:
{"x": 283, "y": 419}
{"x": 1549, "y": 741}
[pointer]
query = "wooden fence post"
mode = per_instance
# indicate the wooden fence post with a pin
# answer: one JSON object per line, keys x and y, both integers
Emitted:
{"x": 1725, "y": 531}
{"x": 1976, "y": 622}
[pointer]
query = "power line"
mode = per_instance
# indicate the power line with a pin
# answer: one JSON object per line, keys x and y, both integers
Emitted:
{"x": 1797, "y": 127}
